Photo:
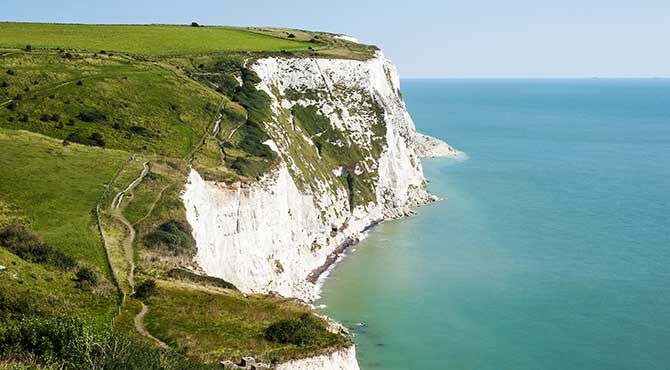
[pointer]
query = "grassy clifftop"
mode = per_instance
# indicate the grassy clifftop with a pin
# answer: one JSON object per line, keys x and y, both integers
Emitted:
{"x": 111, "y": 116}
{"x": 154, "y": 40}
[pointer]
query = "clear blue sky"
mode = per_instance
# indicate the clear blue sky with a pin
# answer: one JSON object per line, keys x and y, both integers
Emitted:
{"x": 429, "y": 38}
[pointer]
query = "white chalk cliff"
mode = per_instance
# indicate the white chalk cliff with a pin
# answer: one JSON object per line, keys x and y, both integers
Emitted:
{"x": 276, "y": 234}
{"x": 344, "y": 359}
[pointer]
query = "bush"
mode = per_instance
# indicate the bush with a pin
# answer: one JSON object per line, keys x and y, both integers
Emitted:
{"x": 29, "y": 246}
{"x": 95, "y": 139}
{"x": 195, "y": 24}
{"x": 4, "y": 84}
{"x": 86, "y": 278}
{"x": 146, "y": 289}
{"x": 173, "y": 235}
{"x": 142, "y": 131}
{"x": 291, "y": 36}
{"x": 49, "y": 339}
{"x": 92, "y": 117}
{"x": 303, "y": 331}
{"x": 11, "y": 72}
{"x": 12, "y": 105}
{"x": 69, "y": 344}
{"x": 29, "y": 48}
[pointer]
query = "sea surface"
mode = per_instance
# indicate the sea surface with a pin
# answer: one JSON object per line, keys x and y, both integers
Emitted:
{"x": 551, "y": 249}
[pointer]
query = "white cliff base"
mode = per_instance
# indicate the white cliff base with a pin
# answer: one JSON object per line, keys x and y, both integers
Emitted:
{"x": 344, "y": 359}
{"x": 280, "y": 233}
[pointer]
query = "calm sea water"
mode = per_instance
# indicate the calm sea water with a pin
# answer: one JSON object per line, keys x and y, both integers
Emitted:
{"x": 552, "y": 250}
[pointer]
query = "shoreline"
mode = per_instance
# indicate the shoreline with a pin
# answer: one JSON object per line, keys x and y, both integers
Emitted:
{"x": 320, "y": 272}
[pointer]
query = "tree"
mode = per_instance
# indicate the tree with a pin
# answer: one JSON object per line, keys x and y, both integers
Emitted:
{"x": 195, "y": 24}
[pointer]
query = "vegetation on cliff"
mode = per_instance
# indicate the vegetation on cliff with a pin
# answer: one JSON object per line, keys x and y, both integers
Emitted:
{"x": 86, "y": 232}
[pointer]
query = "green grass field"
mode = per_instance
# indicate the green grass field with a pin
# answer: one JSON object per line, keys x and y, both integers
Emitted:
{"x": 155, "y": 40}
{"x": 55, "y": 188}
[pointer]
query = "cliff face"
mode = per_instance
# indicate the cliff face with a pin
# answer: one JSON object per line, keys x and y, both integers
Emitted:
{"x": 344, "y": 359}
{"x": 347, "y": 161}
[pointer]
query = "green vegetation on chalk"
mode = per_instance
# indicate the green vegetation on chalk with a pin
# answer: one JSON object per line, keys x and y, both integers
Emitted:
{"x": 218, "y": 334}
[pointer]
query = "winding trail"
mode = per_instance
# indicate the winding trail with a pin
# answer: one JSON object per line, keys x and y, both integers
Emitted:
{"x": 139, "y": 326}
{"x": 128, "y": 241}
{"x": 129, "y": 251}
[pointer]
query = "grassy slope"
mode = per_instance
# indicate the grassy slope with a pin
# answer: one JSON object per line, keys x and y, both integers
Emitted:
{"x": 52, "y": 292}
{"x": 209, "y": 324}
{"x": 141, "y": 40}
{"x": 174, "y": 101}
{"x": 56, "y": 188}
{"x": 171, "y": 110}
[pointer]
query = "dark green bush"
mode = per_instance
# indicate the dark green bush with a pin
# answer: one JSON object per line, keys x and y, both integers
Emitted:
{"x": 92, "y": 117}
{"x": 4, "y": 84}
{"x": 303, "y": 331}
{"x": 29, "y": 246}
{"x": 12, "y": 105}
{"x": 70, "y": 344}
{"x": 173, "y": 235}
{"x": 95, "y": 139}
{"x": 146, "y": 289}
{"x": 139, "y": 130}
{"x": 86, "y": 278}
{"x": 50, "y": 340}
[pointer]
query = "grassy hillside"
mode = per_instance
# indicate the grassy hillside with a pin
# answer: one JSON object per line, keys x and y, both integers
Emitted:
{"x": 132, "y": 105}
{"x": 89, "y": 113}
{"x": 55, "y": 188}
{"x": 154, "y": 40}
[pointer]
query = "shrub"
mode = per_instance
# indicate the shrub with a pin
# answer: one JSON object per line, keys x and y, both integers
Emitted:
{"x": 12, "y": 105}
{"x": 11, "y": 72}
{"x": 146, "y": 289}
{"x": 4, "y": 84}
{"x": 291, "y": 36}
{"x": 23, "y": 118}
{"x": 29, "y": 48}
{"x": 80, "y": 82}
{"x": 142, "y": 131}
{"x": 49, "y": 339}
{"x": 195, "y": 24}
{"x": 85, "y": 278}
{"x": 301, "y": 332}
{"x": 92, "y": 116}
{"x": 173, "y": 235}
{"x": 95, "y": 139}
{"x": 45, "y": 118}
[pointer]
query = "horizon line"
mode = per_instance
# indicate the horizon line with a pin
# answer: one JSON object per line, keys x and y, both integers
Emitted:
{"x": 538, "y": 78}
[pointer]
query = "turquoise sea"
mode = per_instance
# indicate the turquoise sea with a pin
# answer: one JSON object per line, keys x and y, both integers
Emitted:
{"x": 552, "y": 247}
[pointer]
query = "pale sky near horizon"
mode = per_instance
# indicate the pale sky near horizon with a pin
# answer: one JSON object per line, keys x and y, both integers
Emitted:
{"x": 429, "y": 38}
